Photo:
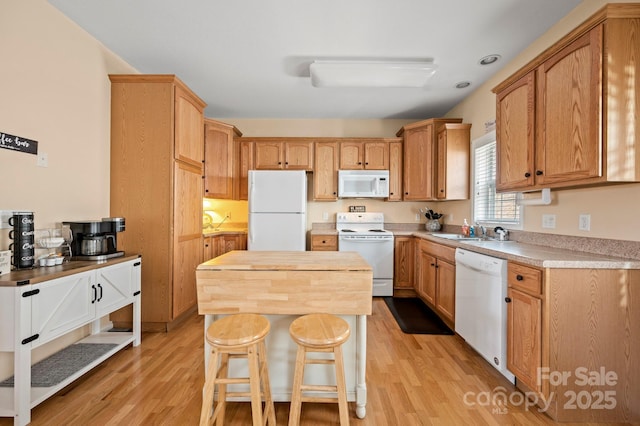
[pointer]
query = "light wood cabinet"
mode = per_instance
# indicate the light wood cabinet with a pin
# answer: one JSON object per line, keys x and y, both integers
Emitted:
{"x": 557, "y": 321}
{"x": 395, "y": 171}
{"x": 274, "y": 154}
{"x": 246, "y": 159}
{"x": 562, "y": 119}
{"x": 524, "y": 323}
{"x": 453, "y": 161}
{"x": 217, "y": 245}
{"x": 403, "y": 265}
{"x": 325, "y": 171}
{"x": 436, "y": 278}
{"x": 157, "y": 155}
{"x": 220, "y": 158}
{"x": 423, "y": 155}
{"x": 359, "y": 154}
{"x": 324, "y": 242}
{"x": 515, "y": 131}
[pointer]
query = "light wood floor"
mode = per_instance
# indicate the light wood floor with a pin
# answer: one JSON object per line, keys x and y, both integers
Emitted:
{"x": 411, "y": 380}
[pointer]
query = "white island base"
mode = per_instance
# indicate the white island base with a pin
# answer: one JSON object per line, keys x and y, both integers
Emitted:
{"x": 283, "y": 286}
{"x": 281, "y": 357}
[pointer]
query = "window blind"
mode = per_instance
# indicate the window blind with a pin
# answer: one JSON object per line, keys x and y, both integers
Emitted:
{"x": 490, "y": 206}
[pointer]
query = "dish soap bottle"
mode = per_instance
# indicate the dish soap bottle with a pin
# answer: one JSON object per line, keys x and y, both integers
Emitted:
{"x": 465, "y": 228}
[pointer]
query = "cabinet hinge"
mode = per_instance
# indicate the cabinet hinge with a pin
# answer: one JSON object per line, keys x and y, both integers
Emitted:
{"x": 30, "y": 339}
{"x": 31, "y": 293}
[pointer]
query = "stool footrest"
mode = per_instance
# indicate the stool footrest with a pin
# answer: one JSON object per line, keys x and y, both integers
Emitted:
{"x": 321, "y": 388}
{"x": 319, "y": 361}
{"x": 318, "y": 399}
{"x": 232, "y": 381}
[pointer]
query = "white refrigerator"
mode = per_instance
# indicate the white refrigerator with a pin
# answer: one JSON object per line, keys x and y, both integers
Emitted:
{"x": 277, "y": 210}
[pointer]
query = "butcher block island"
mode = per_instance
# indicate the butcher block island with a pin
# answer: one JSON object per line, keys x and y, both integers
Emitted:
{"x": 284, "y": 285}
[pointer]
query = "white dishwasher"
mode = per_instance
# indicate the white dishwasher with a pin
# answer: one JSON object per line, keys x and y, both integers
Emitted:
{"x": 481, "y": 311}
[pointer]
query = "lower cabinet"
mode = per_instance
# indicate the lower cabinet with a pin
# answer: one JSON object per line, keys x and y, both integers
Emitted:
{"x": 324, "y": 242}
{"x": 216, "y": 245}
{"x": 572, "y": 341}
{"x": 32, "y": 315}
{"x": 524, "y": 323}
{"x": 435, "y": 278}
{"x": 403, "y": 265}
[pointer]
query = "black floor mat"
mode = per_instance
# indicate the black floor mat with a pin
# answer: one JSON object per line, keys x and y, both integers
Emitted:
{"x": 415, "y": 317}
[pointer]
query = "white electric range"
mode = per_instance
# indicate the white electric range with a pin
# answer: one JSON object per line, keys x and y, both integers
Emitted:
{"x": 364, "y": 233}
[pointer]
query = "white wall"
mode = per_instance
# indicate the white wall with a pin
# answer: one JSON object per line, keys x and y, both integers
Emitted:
{"x": 54, "y": 89}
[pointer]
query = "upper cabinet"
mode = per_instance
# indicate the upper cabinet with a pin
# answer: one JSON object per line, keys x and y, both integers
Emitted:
{"x": 188, "y": 127}
{"x": 276, "y": 154}
{"x": 358, "y": 154}
{"x": 325, "y": 174}
{"x": 453, "y": 150}
{"x": 427, "y": 145}
{"x": 395, "y": 170}
{"x": 568, "y": 117}
{"x": 219, "y": 159}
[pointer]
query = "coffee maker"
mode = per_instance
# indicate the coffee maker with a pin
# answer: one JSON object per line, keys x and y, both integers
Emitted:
{"x": 95, "y": 239}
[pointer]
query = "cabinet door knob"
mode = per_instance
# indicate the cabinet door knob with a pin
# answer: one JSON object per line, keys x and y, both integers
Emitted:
{"x": 406, "y": 193}
{"x": 539, "y": 173}
{"x": 507, "y": 299}
{"x": 527, "y": 175}
{"x": 433, "y": 264}
{"x": 519, "y": 277}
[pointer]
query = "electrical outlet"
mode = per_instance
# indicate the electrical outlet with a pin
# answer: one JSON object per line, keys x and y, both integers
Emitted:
{"x": 325, "y": 216}
{"x": 4, "y": 218}
{"x": 417, "y": 217}
{"x": 584, "y": 222}
{"x": 549, "y": 221}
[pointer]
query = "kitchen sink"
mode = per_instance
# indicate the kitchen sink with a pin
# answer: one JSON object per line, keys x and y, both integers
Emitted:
{"x": 457, "y": 237}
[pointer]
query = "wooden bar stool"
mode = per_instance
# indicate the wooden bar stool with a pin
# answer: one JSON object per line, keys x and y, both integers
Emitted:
{"x": 318, "y": 333}
{"x": 238, "y": 336}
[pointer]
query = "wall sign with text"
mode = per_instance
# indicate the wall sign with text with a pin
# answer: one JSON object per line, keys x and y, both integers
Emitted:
{"x": 18, "y": 143}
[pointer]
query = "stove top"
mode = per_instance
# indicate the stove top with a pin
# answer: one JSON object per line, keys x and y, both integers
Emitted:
{"x": 361, "y": 224}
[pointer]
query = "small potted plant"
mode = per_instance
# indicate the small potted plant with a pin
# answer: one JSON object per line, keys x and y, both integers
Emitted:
{"x": 433, "y": 220}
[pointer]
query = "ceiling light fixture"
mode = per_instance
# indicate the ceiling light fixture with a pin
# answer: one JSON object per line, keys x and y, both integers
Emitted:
{"x": 489, "y": 59}
{"x": 336, "y": 73}
{"x": 463, "y": 84}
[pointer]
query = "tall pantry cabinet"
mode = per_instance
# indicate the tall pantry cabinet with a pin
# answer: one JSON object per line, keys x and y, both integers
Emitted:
{"x": 157, "y": 155}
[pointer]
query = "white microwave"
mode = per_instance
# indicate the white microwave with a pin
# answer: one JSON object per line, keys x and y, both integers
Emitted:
{"x": 363, "y": 183}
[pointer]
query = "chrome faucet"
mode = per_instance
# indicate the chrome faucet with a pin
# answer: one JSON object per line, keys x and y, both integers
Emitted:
{"x": 483, "y": 230}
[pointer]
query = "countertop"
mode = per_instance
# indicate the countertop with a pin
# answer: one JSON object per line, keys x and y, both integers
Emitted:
{"x": 535, "y": 255}
{"x": 287, "y": 261}
{"x": 45, "y": 273}
{"x": 222, "y": 231}
{"x": 530, "y": 254}
{"x": 285, "y": 283}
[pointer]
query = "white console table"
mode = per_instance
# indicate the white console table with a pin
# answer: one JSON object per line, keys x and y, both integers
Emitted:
{"x": 39, "y": 305}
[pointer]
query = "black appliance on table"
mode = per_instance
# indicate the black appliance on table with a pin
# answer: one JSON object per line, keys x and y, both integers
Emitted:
{"x": 95, "y": 239}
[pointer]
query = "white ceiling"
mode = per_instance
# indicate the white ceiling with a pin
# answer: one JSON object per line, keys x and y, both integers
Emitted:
{"x": 250, "y": 59}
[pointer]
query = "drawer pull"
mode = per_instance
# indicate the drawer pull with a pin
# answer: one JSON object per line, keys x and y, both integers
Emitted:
{"x": 30, "y": 339}
{"x": 507, "y": 299}
{"x": 31, "y": 293}
{"x": 519, "y": 277}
